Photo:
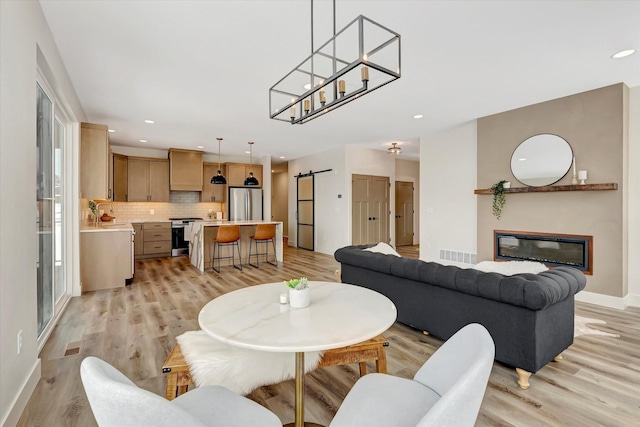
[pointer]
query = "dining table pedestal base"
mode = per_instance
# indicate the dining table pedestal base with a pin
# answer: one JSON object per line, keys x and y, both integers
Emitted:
{"x": 305, "y": 424}
{"x": 299, "y": 395}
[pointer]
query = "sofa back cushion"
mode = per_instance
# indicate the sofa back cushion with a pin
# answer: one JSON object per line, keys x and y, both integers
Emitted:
{"x": 533, "y": 291}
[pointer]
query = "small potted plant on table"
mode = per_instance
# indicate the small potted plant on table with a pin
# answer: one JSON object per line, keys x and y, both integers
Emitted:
{"x": 299, "y": 292}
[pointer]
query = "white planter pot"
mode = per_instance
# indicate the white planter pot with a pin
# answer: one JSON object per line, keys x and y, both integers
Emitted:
{"x": 299, "y": 298}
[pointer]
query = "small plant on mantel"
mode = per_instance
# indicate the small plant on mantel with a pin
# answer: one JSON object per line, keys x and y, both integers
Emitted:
{"x": 498, "y": 198}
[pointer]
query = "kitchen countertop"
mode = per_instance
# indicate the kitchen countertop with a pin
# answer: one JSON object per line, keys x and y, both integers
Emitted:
{"x": 216, "y": 222}
{"x": 105, "y": 227}
{"x": 194, "y": 232}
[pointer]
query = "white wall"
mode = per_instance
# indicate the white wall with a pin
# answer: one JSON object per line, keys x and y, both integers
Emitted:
{"x": 280, "y": 199}
{"x": 633, "y": 214}
{"x": 332, "y": 214}
{"x": 23, "y": 30}
{"x": 448, "y": 215}
{"x": 409, "y": 171}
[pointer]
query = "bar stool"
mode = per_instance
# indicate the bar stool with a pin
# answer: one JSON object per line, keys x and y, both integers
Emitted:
{"x": 228, "y": 235}
{"x": 265, "y": 233}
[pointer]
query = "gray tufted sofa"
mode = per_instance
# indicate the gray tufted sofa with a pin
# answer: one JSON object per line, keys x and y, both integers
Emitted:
{"x": 529, "y": 316}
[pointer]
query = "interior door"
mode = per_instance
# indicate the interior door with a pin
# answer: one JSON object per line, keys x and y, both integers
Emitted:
{"x": 305, "y": 213}
{"x": 360, "y": 218}
{"x": 379, "y": 209}
{"x": 404, "y": 213}
{"x": 369, "y": 209}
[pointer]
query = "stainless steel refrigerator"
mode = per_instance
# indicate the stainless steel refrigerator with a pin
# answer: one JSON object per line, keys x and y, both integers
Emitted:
{"x": 244, "y": 204}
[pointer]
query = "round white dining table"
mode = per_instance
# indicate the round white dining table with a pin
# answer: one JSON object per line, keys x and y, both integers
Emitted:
{"x": 339, "y": 315}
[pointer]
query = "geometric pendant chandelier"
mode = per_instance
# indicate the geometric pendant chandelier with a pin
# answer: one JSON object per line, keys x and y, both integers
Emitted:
{"x": 359, "y": 59}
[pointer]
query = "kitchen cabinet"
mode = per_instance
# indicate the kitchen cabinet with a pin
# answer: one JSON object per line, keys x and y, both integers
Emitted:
{"x": 94, "y": 161}
{"x": 147, "y": 180}
{"x": 212, "y": 192}
{"x": 119, "y": 186}
{"x": 185, "y": 169}
{"x": 138, "y": 248}
{"x": 106, "y": 259}
{"x": 155, "y": 240}
{"x": 238, "y": 172}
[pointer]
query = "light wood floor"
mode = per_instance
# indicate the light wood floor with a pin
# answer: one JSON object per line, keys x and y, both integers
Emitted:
{"x": 134, "y": 328}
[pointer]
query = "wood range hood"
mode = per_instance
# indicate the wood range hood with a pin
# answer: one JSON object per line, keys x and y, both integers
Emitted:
{"x": 185, "y": 169}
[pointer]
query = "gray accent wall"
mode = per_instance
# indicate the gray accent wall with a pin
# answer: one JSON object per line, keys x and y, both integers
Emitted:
{"x": 595, "y": 123}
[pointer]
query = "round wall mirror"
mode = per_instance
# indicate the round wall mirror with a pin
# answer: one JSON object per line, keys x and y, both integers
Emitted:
{"x": 541, "y": 160}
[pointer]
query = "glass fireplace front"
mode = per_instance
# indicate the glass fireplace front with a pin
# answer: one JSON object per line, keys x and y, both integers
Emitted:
{"x": 549, "y": 249}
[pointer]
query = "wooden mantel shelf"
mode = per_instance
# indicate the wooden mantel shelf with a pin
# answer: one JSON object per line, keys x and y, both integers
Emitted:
{"x": 552, "y": 188}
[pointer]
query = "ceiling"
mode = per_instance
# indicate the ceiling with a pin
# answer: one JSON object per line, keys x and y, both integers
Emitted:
{"x": 203, "y": 69}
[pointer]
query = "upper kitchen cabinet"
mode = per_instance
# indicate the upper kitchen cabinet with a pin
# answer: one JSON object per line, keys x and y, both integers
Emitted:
{"x": 94, "y": 161}
{"x": 212, "y": 192}
{"x": 238, "y": 172}
{"x": 147, "y": 179}
{"x": 119, "y": 185}
{"x": 185, "y": 170}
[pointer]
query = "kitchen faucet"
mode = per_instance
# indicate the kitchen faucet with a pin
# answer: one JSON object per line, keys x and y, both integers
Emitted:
{"x": 104, "y": 203}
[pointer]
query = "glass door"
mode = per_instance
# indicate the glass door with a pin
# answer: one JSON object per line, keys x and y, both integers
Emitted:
{"x": 45, "y": 209}
{"x": 50, "y": 214}
{"x": 59, "y": 213}
{"x": 305, "y": 212}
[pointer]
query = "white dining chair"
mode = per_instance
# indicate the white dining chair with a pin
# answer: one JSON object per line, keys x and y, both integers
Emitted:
{"x": 446, "y": 391}
{"x": 117, "y": 402}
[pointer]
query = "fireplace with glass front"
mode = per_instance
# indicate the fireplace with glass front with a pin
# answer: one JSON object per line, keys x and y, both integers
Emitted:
{"x": 550, "y": 249}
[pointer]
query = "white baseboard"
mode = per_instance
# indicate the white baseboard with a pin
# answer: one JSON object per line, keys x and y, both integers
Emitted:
{"x": 632, "y": 300}
{"x": 20, "y": 402}
{"x": 608, "y": 301}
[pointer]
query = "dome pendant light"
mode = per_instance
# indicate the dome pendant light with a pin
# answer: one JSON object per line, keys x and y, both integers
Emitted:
{"x": 219, "y": 178}
{"x": 251, "y": 180}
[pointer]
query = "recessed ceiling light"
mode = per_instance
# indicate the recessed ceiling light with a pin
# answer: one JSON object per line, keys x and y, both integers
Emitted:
{"x": 418, "y": 116}
{"x": 623, "y": 54}
{"x": 521, "y": 159}
{"x": 307, "y": 86}
{"x": 149, "y": 121}
{"x": 200, "y": 146}
{"x": 282, "y": 157}
{"x": 142, "y": 140}
{"x": 111, "y": 130}
{"x": 247, "y": 152}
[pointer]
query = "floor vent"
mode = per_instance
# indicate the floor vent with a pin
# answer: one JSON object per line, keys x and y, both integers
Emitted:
{"x": 73, "y": 349}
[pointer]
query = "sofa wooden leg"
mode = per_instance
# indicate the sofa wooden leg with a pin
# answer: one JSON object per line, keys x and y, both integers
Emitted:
{"x": 558, "y": 358}
{"x": 523, "y": 378}
{"x": 338, "y": 276}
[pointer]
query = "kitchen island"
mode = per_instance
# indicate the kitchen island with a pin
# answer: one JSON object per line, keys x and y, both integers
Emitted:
{"x": 201, "y": 235}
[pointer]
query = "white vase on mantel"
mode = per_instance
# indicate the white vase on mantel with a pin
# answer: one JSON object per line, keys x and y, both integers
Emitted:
{"x": 299, "y": 298}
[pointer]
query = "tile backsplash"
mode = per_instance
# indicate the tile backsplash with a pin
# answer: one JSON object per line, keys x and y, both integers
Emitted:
{"x": 182, "y": 204}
